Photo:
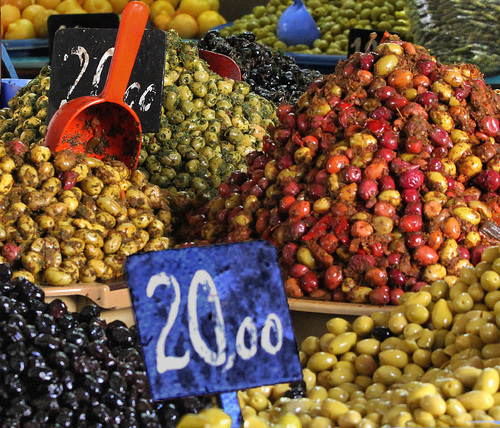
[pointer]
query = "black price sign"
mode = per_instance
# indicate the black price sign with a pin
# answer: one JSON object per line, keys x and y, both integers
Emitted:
{"x": 80, "y": 62}
{"x": 361, "y": 40}
{"x": 79, "y": 20}
{"x": 213, "y": 319}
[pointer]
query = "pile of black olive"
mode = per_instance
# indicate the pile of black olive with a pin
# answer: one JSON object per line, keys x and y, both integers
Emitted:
{"x": 64, "y": 369}
{"x": 269, "y": 73}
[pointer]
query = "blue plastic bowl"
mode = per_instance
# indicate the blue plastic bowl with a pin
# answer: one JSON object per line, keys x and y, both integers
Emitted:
{"x": 10, "y": 88}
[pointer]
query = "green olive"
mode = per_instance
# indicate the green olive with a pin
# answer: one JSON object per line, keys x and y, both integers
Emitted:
{"x": 192, "y": 166}
{"x": 214, "y": 126}
{"x": 185, "y": 94}
{"x": 175, "y": 116}
{"x": 168, "y": 173}
{"x": 164, "y": 134}
{"x": 153, "y": 148}
{"x": 320, "y": 361}
{"x": 310, "y": 345}
{"x": 170, "y": 100}
{"x": 181, "y": 180}
{"x": 171, "y": 158}
{"x": 143, "y": 154}
{"x": 152, "y": 165}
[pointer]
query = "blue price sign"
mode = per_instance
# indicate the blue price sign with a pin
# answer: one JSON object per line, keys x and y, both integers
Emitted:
{"x": 212, "y": 319}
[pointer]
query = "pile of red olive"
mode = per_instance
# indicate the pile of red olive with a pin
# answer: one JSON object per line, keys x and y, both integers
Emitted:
{"x": 378, "y": 180}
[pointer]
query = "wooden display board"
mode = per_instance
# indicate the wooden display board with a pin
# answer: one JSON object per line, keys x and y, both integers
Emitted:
{"x": 334, "y": 308}
{"x": 116, "y": 295}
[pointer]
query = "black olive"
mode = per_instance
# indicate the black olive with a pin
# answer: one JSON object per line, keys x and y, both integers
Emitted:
{"x": 76, "y": 337}
{"x": 66, "y": 322}
{"x": 120, "y": 335}
{"x": 260, "y": 66}
{"x": 36, "y": 308}
{"x": 5, "y": 273}
{"x": 381, "y": 333}
{"x": 297, "y": 390}
{"x": 46, "y": 323}
{"x": 88, "y": 312}
{"x": 35, "y": 358}
{"x": 68, "y": 381}
{"x": 64, "y": 417}
{"x": 41, "y": 374}
{"x": 18, "y": 362}
{"x": 67, "y": 369}
{"x": 12, "y": 333}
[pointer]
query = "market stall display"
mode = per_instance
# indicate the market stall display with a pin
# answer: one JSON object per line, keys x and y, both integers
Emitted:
{"x": 55, "y": 232}
{"x": 432, "y": 360}
{"x": 378, "y": 180}
{"x": 208, "y": 125}
{"x": 53, "y": 229}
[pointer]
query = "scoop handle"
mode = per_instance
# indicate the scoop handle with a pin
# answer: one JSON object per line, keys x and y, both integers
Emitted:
{"x": 132, "y": 25}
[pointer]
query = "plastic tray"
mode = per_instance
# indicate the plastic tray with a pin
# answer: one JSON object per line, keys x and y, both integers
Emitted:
{"x": 113, "y": 299}
{"x": 107, "y": 296}
{"x": 24, "y": 47}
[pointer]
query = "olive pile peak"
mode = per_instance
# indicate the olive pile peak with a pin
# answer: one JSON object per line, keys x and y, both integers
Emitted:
{"x": 334, "y": 19}
{"x": 71, "y": 218}
{"x": 433, "y": 361}
{"x": 208, "y": 125}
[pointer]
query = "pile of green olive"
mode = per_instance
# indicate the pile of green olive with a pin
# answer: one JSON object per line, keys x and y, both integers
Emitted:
{"x": 333, "y": 18}
{"x": 208, "y": 125}
{"x": 434, "y": 360}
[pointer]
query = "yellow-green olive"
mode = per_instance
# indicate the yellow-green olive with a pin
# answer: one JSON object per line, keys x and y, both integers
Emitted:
{"x": 386, "y": 64}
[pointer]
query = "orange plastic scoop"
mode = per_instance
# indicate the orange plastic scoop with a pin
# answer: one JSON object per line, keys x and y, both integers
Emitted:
{"x": 104, "y": 126}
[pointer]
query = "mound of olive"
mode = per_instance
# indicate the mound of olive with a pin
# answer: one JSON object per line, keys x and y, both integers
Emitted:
{"x": 380, "y": 179}
{"x": 208, "y": 124}
{"x": 333, "y": 18}
{"x": 73, "y": 369}
{"x": 269, "y": 73}
{"x": 71, "y": 218}
{"x": 432, "y": 361}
